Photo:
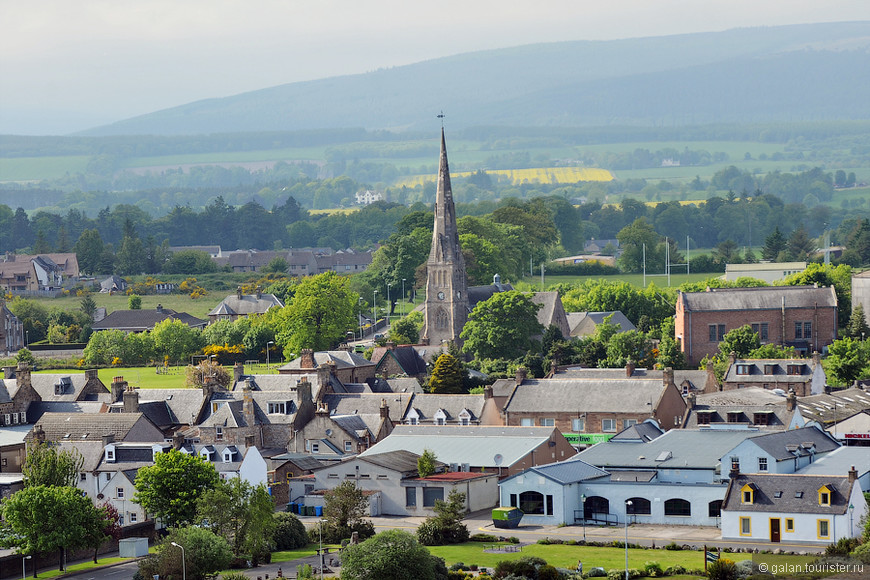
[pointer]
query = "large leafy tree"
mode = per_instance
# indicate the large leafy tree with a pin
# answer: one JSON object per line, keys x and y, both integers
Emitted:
{"x": 502, "y": 326}
{"x": 740, "y": 341}
{"x": 640, "y": 241}
{"x": 391, "y": 555}
{"x": 840, "y": 277}
{"x": 171, "y": 487}
{"x": 774, "y": 243}
{"x": 848, "y": 359}
{"x": 446, "y": 526}
{"x": 242, "y": 514}
{"x": 344, "y": 513}
{"x": 175, "y": 340}
{"x": 48, "y": 465}
{"x": 45, "y": 518}
{"x": 322, "y": 311}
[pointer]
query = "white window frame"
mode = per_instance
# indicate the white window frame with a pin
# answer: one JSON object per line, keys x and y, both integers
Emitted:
{"x": 578, "y": 425}
{"x": 608, "y": 425}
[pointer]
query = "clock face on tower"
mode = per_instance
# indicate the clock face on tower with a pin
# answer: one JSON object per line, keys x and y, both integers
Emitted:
{"x": 441, "y": 296}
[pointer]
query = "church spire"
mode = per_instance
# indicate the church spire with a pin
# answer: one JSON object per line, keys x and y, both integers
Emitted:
{"x": 446, "y": 285}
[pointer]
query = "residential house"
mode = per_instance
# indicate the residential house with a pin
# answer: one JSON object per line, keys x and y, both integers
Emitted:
{"x": 687, "y": 380}
{"x": 798, "y": 509}
{"x": 212, "y": 251}
{"x": 113, "y": 284}
{"x": 780, "y": 452}
{"x": 33, "y": 273}
{"x": 284, "y": 467}
{"x": 66, "y": 427}
{"x": 803, "y": 376}
{"x": 392, "y": 361}
{"x": 344, "y": 262}
{"x": 347, "y": 366}
{"x": 551, "y": 312}
{"x": 332, "y": 435}
{"x": 241, "y": 305}
{"x": 582, "y": 324}
{"x": 13, "y": 448}
{"x": 145, "y": 320}
{"x": 594, "y": 246}
{"x": 17, "y": 396}
{"x": 11, "y": 330}
{"x": 591, "y": 406}
{"x": 500, "y": 450}
{"x": 435, "y": 409}
{"x": 367, "y": 197}
{"x": 753, "y": 407}
{"x": 673, "y": 479}
{"x": 769, "y": 272}
{"x": 804, "y": 317}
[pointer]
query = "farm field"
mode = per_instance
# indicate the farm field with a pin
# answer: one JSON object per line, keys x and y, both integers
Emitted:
{"x": 546, "y": 175}
{"x": 37, "y": 168}
{"x": 199, "y": 307}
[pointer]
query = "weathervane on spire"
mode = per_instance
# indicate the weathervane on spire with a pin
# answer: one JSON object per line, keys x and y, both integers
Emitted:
{"x": 441, "y": 116}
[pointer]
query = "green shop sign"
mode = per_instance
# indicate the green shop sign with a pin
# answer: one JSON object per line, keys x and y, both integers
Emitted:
{"x": 587, "y": 438}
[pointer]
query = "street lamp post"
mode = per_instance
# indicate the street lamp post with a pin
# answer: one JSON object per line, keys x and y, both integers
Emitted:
{"x": 359, "y": 315}
{"x": 374, "y": 312}
{"x": 321, "y": 548}
{"x": 183, "y": 564}
{"x": 23, "y": 566}
{"x": 388, "y": 303}
{"x": 403, "y": 298}
{"x": 583, "y": 504}
{"x": 851, "y": 508}
{"x": 267, "y": 353}
{"x": 627, "y": 504}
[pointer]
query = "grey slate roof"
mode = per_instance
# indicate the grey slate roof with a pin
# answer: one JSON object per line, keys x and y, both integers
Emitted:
{"x": 784, "y": 445}
{"x": 342, "y": 359}
{"x": 682, "y": 449}
{"x": 407, "y": 357}
{"x": 778, "y": 416}
{"x": 366, "y": 404}
{"x": 246, "y": 305}
{"x": 646, "y": 431}
{"x": 92, "y": 426}
{"x": 37, "y": 409}
{"x": 397, "y": 460}
{"x": 142, "y": 320}
{"x": 569, "y": 471}
{"x": 750, "y": 396}
{"x": 591, "y": 319}
{"x": 477, "y": 446}
{"x": 764, "y": 298}
{"x": 626, "y": 395}
{"x": 791, "y": 486}
{"x": 70, "y": 386}
{"x": 779, "y": 372}
{"x": 427, "y": 404}
{"x": 91, "y": 452}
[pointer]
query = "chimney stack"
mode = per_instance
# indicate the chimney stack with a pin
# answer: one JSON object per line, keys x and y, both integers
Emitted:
{"x": 303, "y": 393}
{"x": 853, "y": 475}
{"x": 735, "y": 469}
{"x": 690, "y": 400}
{"x": 307, "y": 359}
{"x": 790, "y": 400}
{"x": 668, "y": 377}
{"x": 817, "y": 358}
{"x": 118, "y": 387}
{"x": 238, "y": 372}
{"x": 239, "y": 292}
{"x": 385, "y": 409}
{"x": 521, "y": 375}
{"x": 249, "y": 441}
{"x": 107, "y": 439}
{"x": 177, "y": 440}
{"x": 22, "y": 375}
{"x": 39, "y": 434}
{"x": 131, "y": 400}
{"x": 248, "y": 405}
{"x": 91, "y": 375}
{"x": 732, "y": 358}
{"x": 8, "y": 373}
{"x": 629, "y": 368}
{"x": 390, "y": 345}
{"x": 487, "y": 392}
{"x": 259, "y": 293}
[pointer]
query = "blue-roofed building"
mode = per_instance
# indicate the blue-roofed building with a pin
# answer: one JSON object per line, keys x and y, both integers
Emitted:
{"x": 548, "y": 494}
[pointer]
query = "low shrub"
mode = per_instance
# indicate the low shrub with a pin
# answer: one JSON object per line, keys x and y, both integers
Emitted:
{"x": 673, "y": 546}
{"x": 482, "y": 538}
{"x": 842, "y": 547}
{"x": 653, "y": 569}
{"x": 722, "y": 569}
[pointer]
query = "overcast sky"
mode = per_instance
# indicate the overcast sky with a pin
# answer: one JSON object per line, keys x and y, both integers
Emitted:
{"x": 68, "y": 65}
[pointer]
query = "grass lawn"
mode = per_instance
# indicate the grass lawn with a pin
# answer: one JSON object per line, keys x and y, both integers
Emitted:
{"x": 565, "y": 556}
{"x": 147, "y": 377}
{"x": 75, "y": 567}
{"x": 677, "y": 279}
{"x": 199, "y": 307}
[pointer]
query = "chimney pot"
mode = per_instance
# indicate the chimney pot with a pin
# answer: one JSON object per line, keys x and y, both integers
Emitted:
{"x": 629, "y": 368}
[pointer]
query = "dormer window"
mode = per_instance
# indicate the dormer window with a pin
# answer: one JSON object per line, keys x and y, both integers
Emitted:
{"x": 747, "y": 494}
{"x": 743, "y": 369}
{"x": 734, "y": 416}
{"x": 278, "y": 408}
{"x": 228, "y": 456}
{"x": 769, "y": 369}
{"x": 795, "y": 369}
{"x": 110, "y": 453}
{"x": 825, "y": 495}
{"x": 441, "y": 417}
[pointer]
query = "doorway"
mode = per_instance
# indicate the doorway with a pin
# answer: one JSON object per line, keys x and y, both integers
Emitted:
{"x": 774, "y": 529}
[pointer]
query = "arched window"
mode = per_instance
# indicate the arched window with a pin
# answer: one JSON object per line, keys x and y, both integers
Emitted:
{"x": 678, "y": 507}
{"x": 596, "y": 505}
{"x": 714, "y": 508}
{"x": 441, "y": 319}
{"x": 639, "y": 507}
{"x": 532, "y": 502}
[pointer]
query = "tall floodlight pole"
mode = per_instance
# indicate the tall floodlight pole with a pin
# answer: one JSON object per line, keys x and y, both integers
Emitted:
{"x": 374, "y": 312}
{"x": 271, "y": 342}
{"x": 404, "y": 300}
{"x": 389, "y": 309}
{"x": 359, "y": 315}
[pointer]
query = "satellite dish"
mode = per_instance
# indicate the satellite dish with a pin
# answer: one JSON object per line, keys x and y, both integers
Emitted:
{"x": 329, "y": 432}
{"x": 498, "y": 459}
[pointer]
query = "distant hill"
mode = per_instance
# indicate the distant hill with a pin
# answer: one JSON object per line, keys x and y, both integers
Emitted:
{"x": 789, "y": 73}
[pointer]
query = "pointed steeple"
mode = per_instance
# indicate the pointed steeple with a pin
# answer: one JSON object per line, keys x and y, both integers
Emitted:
{"x": 446, "y": 286}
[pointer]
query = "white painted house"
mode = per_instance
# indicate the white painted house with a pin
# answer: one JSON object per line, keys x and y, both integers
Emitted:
{"x": 808, "y": 509}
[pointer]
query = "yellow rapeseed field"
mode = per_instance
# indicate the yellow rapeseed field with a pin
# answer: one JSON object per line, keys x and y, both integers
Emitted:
{"x": 532, "y": 175}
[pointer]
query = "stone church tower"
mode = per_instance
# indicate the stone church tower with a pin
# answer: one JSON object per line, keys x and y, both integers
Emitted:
{"x": 446, "y": 288}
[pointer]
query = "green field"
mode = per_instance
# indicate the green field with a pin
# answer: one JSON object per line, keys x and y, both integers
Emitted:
{"x": 149, "y": 378}
{"x": 534, "y": 282}
{"x": 38, "y": 168}
{"x": 199, "y": 307}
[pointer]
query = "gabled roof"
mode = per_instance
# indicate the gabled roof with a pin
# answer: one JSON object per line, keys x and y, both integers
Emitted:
{"x": 246, "y": 305}
{"x": 676, "y": 449}
{"x": 407, "y": 357}
{"x": 626, "y": 395}
{"x": 749, "y": 396}
{"x": 477, "y": 446}
{"x": 343, "y": 360}
{"x": 641, "y": 432}
{"x": 839, "y": 461}
{"x": 397, "y": 460}
{"x": 592, "y": 319}
{"x": 428, "y": 404}
{"x": 142, "y": 320}
{"x": 835, "y": 406}
{"x": 763, "y": 298}
{"x": 91, "y": 426}
{"x": 62, "y": 387}
{"x": 798, "y": 493}
{"x": 784, "y": 445}
{"x": 571, "y": 470}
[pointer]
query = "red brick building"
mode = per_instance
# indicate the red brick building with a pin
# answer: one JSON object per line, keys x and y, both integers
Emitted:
{"x": 804, "y": 317}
